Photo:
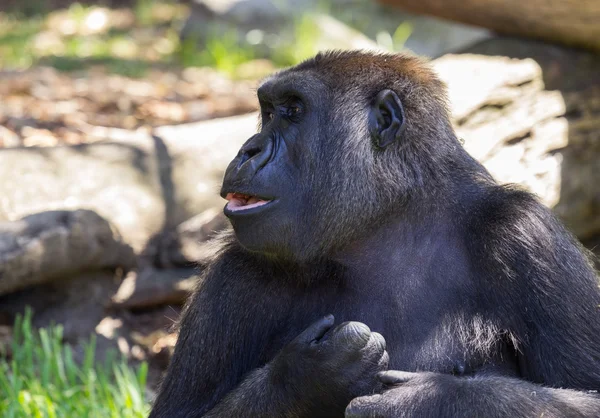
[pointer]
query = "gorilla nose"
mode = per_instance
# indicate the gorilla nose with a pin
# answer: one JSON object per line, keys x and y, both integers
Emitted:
{"x": 255, "y": 156}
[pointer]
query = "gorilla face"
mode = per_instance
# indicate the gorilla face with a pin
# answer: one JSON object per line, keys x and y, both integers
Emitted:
{"x": 267, "y": 183}
{"x": 291, "y": 192}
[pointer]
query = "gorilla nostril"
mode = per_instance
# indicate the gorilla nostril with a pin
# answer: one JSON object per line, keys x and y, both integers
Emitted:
{"x": 252, "y": 152}
{"x": 256, "y": 157}
{"x": 248, "y": 154}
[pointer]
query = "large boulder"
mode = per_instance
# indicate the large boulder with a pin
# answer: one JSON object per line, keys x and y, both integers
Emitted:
{"x": 531, "y": 113}
{"x": 54, "y": 245}
{"x": 144, "y": 184}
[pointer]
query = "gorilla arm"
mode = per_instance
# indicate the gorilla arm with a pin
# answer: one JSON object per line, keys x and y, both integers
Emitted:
{"x": 435, "y": 394}
{"x": 260, "y": 395}
{"x": 539, "y": 285}
{"x": 216, "y": 369}
{"x": 316, "y": 374}
{"x": 207, "y": 362}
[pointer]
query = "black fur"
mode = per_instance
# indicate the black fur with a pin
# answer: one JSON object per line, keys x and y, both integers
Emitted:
{"x": 476, "y": 287}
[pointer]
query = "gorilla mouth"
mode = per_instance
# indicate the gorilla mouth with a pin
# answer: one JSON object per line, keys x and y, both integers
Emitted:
{"x": 241, "y": 201}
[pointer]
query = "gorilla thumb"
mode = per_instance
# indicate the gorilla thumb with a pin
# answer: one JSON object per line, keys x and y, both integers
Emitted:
{"x": 316, "y": 330}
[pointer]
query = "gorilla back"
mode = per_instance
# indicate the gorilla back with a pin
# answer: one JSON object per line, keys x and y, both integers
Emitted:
{"x": 356, "y": 201}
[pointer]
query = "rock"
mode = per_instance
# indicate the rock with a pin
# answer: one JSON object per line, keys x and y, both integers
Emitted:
{"x": 149, "y": 287}
{"x": 82, "y": 306}
{"x": 77, "y": 303}
{"x": 6, "y": 341}
{"x": 50, "y": 245}
{"x": 142, "y": 184}
{"x": 531, "y": 113}
{"x": 118, "y": 181}
{"x": 200, "y": 153}
{"x": 244, "y": 12}
{"x": 8, "y": 138}
{"x": 333, "y": 34}
{"x": 564, "y": 69}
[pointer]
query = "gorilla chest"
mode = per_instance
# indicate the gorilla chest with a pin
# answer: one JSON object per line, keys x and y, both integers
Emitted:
{"x": 424, "y": 329}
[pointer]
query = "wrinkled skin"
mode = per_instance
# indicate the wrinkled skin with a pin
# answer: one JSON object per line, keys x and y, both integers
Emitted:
{"x": 346, "y": 358}
{"x": 375, "y": 269}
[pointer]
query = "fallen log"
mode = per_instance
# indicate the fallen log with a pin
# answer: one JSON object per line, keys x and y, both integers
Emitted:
{"x": 569, "y": 22}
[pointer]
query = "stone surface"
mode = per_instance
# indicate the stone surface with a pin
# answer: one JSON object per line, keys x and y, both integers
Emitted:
{"x": 6, "y": 341}
{"x": 143, "y": 184}
{"x": 78, "y": 302}
{"x": 540, "y": 127}
{"x": 50, "y": 245}
{"x": 150, "y": 287}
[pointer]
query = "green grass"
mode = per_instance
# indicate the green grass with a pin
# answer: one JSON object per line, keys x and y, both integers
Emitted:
{"x": 43, "y": 380}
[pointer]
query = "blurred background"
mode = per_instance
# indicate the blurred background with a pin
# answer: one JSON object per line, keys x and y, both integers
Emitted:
{"x": 118, "y": 118}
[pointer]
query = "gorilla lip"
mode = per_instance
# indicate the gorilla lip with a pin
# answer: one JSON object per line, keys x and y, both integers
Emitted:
{"x": 240, "y": 201}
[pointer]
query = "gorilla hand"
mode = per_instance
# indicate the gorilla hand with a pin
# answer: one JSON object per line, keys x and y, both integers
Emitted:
{"x": 406, "y": 395}
{"x": 338, "y": 364}
{"x": 428, "y": 394}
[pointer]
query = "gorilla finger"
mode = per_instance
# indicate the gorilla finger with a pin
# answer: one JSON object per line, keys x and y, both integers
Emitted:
{"x": 351, "y": 335}
{"x": 374, "y": 348}
{"x": 383, "y": 361}
{"x": 362, "y": 407}
{"x": 377, "y": 342}
{"x": 316, "y": 330}
{"x": 392, "y": 377}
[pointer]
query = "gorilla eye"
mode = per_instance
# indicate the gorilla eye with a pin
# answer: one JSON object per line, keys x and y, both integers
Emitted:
{"x": 293, "y": 110}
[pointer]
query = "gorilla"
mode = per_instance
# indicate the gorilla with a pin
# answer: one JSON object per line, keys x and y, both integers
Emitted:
{"x": 375, "y": 269}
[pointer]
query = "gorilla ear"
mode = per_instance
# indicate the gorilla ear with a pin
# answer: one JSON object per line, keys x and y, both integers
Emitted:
{"x": 386, "y": 120}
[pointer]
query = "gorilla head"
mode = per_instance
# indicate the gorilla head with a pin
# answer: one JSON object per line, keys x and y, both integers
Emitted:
{"x": 340, "y": 148}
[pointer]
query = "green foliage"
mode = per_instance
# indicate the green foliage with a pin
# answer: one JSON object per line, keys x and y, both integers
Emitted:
{"x": 395, "y": 41}
{"x": 143, "y": 11}
{"x": 15, "y": 40}
{"x": 43, "y": 380}
{"x": 306, "y": 34}
{"x": 29, "y": 8}
{"x": 26, "y": 41}
{"x": 152, "y": 38}
{"x": 222, "y": 51}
